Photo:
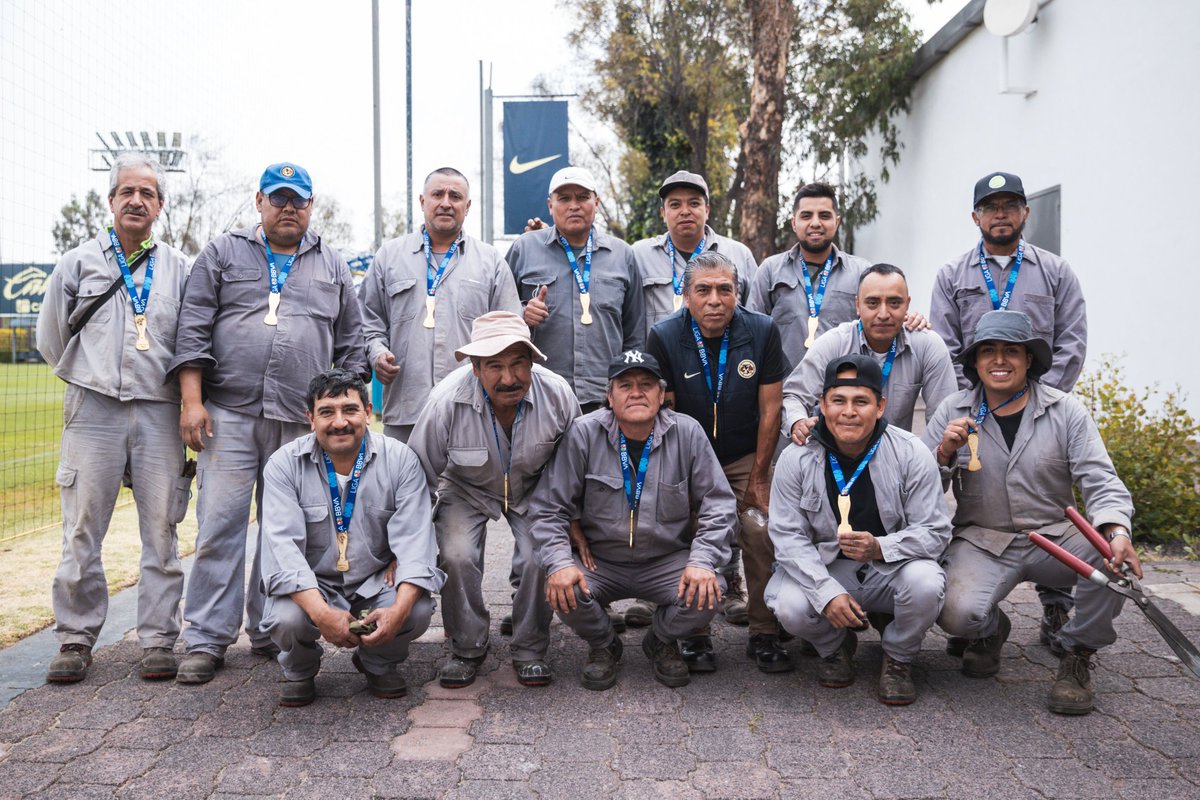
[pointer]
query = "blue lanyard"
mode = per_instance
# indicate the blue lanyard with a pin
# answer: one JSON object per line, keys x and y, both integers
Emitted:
{"x": 139, "y": 303}
{"x": 721, "y": 360}
{"x": 633, "y": 490}
{"x": 584, "y": 280}
{"x": 817, "y": 299}
{"x": 677, "y": 279}
{"x": 500, "y": 450}
{"x": 983, "y": 411}
{"x": 342, "y": 515}
{"x": 433, "y": 278}
{"x": 891, "y": 354}
{"x": 1001, "y": 303}
{"x": 278, "y": 274}
{"x": 843, "y": 486}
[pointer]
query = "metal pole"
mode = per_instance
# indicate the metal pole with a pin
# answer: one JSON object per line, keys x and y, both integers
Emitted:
{"x": 488, "y": 183}
{"x": 483, "y": 197}
{"x": 378, "y": 167}
{"x": 408, "y": 102}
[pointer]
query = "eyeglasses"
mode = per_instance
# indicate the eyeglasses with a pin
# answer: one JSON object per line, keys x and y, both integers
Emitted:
{"x": 990, "y": 209}
{"x": 280, "y": 200}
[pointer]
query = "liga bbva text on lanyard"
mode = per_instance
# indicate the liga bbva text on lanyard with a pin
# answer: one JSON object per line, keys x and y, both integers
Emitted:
{"x": 891, "y": 354}
{"x": 815, "y": 299}
{"x": 139, "y": 302}
{"x": 433, "y": 278}
{"x": 844, "y": 485}
{"x": 1001, "y": 303}
{"x": 342, "y": 514}
{"x": 714, "y": 389}
{"x": 677, "y": 278}
{"x": 582, "y": 279}
{"x": 278, "y": 275}
{"x": 633, "y": 485}
{"x": 506, "y": 462}
{"x": 974, "y": 465}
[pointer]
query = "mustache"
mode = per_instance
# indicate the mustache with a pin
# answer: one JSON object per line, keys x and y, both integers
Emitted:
{"x": 136, "y": 211}
{"x": 342, "y": 432}
{"x": 509, "y": 387}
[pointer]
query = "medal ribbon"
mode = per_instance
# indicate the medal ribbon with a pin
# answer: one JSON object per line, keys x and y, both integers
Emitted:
{"x": 983, "y": 411}
{"x": 633, "y": 489}
{"x": 139, "y": 303}
{"x": 500, "y": 450}
{"x": 278, "y": 274}
{"x": 840, "y": 479}
{"x": 585, "y": 279}
{"x": 433, "y": 278}
{"x": 817, "y": 299}
{"x": 891, "y": 354}
{"x": 1001, "y": 303}
{"x": 342, "y": 515}
{"x": 721, "y": 360}
{"x": 677, "y": 280}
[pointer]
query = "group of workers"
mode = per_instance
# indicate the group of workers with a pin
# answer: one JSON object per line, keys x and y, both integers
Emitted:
{"x": 652, "y": 421}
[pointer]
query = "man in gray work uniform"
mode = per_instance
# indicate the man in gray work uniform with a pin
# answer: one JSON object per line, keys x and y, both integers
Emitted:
{"x": 120, "y": 418}
{"x": 634, "y": 476}
{"x": 267, "y": 308}
{"x": 1023, "y": 278}
{"x": 420, "y": 296}
{"x": 858, "y": 521}
{"x": 483, "y": 439}
{"x": 340, "y": 505}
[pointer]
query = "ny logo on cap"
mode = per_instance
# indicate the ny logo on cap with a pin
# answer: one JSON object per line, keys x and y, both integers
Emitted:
{"x": 634, "y": 357}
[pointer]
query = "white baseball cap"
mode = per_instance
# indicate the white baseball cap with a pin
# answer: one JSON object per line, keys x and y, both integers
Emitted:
{"x": 572, "y": 176}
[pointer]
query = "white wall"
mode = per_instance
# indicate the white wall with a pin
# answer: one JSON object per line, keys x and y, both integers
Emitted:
{"x": 1116, "y": 123}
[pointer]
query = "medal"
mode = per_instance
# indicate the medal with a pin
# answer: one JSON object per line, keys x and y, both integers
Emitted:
{"x": 815, "y": 299}
{"x": 434, "y": 277}
{"x": 139, "y": 302}
{"x": 631, "y": 528}
{"x": 585, "y": 300}
{"x": 272, "y": 318}
{"x": 844, "y": 512}
{"x": 843, "y": 485}
{"x": 813, "y": 322}
{"x": 583, "y": 277}
{"x": 678, "y": 302}
{"x": 139, "y": 322}
{"x": 343, "y": 513}
{"x": 277, "y": 275}
{"x": 505, "y": 463}
{"x": 974, "y": 465}
{"x": 677, "y": 278}
{"x": 343, "y": 541}
{"x": 430, "y": 302}
{"x": 722, "y": 359}
{"x": 973, "y": 445}
{"x": 634, "y": 481}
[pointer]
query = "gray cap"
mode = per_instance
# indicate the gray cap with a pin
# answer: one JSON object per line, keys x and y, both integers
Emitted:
{"x": 493, "y": 333}
{"x": 1006, "y": 326}
{"x": 683, "y": 179}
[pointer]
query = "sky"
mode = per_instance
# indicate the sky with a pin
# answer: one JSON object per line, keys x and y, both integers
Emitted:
{"x": 263, "y": 82}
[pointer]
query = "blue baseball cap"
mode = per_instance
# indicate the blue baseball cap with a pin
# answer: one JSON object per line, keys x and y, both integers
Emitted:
{"x": 286, "y": 176}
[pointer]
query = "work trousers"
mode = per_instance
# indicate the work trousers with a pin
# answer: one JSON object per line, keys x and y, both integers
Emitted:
{"x": 913, "y": 594}
{"x": 228, "y": 476}
{"x": 758, "y": 554}
{"x": 296, "y": 636}
{"x": 976, "y": 581}
{"x": 103, "y": 440}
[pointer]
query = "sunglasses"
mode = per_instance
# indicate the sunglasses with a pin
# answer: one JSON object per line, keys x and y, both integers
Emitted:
{"x": 279, "y": 200}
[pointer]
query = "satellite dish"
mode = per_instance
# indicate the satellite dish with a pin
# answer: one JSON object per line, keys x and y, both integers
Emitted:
{"x": 1008, "y": 17}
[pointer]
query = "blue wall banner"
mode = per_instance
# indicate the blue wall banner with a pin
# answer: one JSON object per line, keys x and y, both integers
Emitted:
{"x": 535, "y": 147}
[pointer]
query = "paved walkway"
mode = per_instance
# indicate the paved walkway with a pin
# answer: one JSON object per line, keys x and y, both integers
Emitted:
{"x": 737, "y": 733}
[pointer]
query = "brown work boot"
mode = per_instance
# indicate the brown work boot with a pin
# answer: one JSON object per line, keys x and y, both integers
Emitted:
{"x": 981, "y": 659}
{"x": 669, "y": 667}
{"x": 70, "y": 665}
{"x": 1072, "y": 690}
{"x": 837, "y": 671}
{"x": 1053, "y": 618}
{"x": 158, "y": 663}
{"x": 734, "y": 604}
{"x": 895, "y": 683}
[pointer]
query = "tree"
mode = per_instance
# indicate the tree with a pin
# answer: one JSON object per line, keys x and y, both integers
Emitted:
{"x": 328, "y": 221}
{"x": 81, "y": 220}
{"x": 204, "y": 201}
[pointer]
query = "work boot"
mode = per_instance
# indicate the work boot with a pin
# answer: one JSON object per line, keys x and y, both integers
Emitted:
{"x": 697, "y": 653}
{"x": 981, "y": 659}
{"x": 387, "y": 685}
{"x": 506, "y": 625}
{"x": 955, "y": 645}
{"x": 294, "y": 694}
{"x": 600, "y": 671}
{"x": 895, "y": 683}
{"x": 768, "y": 655}
{"x": 198, "y": 667}
{"x": 533, "y": 673}
{"x": 837, "y": 671}
{"x": 1053, "y": 618}
{"x": 158, "y": 663}
{"x": 267, "y": 650}
{"x": 639, "y": 614}
{"x": 1072, "y": 690}
{"x": 70, "y": 665}
{"x": 734, "y": 604}
{"x": 669, "y": 666}
{"x": 459, "y": 671}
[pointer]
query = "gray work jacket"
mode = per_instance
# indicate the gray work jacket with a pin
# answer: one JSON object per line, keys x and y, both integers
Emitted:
{"x": 393, "y": 293}
{"x": 803, "y": 526}
{"x": 103, "y": 356}
{"x": 778, "y": 290}
{"x": 1056, "y": 449}
{"x": 456, "y": 443}
{"x": 391, "y": 520}
{"x": 581, "y": 353}
{"x": 1047, "y": 291}
{"x": 922, "y": 366}
{"x": 656, "y": 270}
{"x": 584, "y": 481}
{"x": 258, "y": 369}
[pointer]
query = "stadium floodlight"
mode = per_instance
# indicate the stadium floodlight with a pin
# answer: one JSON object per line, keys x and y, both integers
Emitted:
{"x": 171, "y": 158}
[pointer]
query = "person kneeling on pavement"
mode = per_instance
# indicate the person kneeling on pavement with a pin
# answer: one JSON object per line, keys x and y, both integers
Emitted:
{"x": 634, "y": 475}
{"x": 339, "y": 505}
{"x": 1015, "y": 473}
{"x": 875, "y": 558}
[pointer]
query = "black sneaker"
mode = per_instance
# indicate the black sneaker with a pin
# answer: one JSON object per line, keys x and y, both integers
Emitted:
{"x": 697, "y": 653}
{"x": 768, "y": 655}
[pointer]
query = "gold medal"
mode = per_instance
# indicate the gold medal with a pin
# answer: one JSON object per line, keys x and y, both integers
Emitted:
{"x": 844, "y": 511}
{"x": 714, "y": 420}
{"x": 506, "y": 493}
{"x": 631, "y": 528}
{"x": 585, "y": 300}
{"x": 973, "y": 444}
{"x": 678, "y": 302}
{"x": 813, "y": 322}
{"x": 343, "y": 540}
{"x": 430, "y": 302}
{"x": 139, "y": 322}
{"x": 272, "y": 317}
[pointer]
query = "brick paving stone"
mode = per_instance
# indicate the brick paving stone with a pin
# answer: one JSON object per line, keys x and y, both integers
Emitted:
{"x": 349, "y": 759}
{"x": 226, "y": 722}
{"x": 576, "y": 745}
{"x": 896, "y": 777}
{"x": 651, "y": 760}
{"x": 1174, "y": 740}
{"x": 574, "y": 780}
{"x": 431, "y": 744}
{"x": 55, "y": 745}
{"x": 18, "y": 778}
{"x": 262, "y": 775}
{"x": 16, "y": 726}
{"x": 1122, "y": 758}
{"x": 415, "y": 779}
{"x": 289, "y": 740}
{"x": 109, "y": 765}
{"x": 505, "y": 727}
{"x": 445, "y": 713}
{"x": 1177, "y": 691}
{"x": 325, "y": 788}
{"x": 491, "y": 790}
{"x": 1158, "y": 789}
{"x": 735, "y": 781}
{"x": 75, "y": 791}
{"x": 657, "y": 790}
{"x": 163, "y": 782}
{"x": 183, "y": 702}
{"x": 131, "y": 688}
{"x": 793, "y": 760}
{"x": 379, "y": 721}
{"x": 822, "y": 788}
{"x": 148, "y": 734}
{"x": 500, "y": 762}
{"x": 201, "y": 756}
{"x": 726, "y": 744}
{"x": 1062, "y": 778}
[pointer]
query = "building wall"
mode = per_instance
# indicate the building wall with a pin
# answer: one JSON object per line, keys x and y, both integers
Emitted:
{"x": 1115, "y": 122}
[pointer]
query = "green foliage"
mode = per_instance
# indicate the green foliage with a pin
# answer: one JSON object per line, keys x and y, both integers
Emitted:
{"x": 81, "y": 220}
{"x": 1154, "y": 444}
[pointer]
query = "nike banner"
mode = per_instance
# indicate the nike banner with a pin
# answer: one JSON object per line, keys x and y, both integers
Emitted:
{"x": 535, "y": 147}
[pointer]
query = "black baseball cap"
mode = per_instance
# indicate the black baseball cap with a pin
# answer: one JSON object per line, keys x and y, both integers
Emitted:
{"x": 997, "y": 183}
{"x": 634, "y": 359}
{"x": 868, "y": 375}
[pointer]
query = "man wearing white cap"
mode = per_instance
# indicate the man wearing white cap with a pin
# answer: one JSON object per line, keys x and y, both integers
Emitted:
{"x": 581, "y": 288}
{"x": 483, "y": 439}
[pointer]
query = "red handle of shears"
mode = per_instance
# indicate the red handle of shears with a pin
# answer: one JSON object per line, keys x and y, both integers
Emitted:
{"x": 1074, "y": 562}
{"x": 1094, "y": 536}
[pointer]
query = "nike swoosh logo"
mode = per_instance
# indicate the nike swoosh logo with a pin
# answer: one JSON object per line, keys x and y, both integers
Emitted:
{"x": 689, "y": 375}
{"x": 517, "y": 168}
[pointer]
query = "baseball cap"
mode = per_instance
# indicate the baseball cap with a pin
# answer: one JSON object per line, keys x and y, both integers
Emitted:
{"x": 683, "y": 178}
{"x": 572, "y": 176}
{"x": 634, "y": 359}
{"x": 286, "y": 175}
{"x": 868, "y": 372}
{"x": 493, "y": 333}
{"x": 997, "y": 183}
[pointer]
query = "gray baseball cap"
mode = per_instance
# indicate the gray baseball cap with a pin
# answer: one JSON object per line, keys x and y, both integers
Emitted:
{"x": 683, "y": 179}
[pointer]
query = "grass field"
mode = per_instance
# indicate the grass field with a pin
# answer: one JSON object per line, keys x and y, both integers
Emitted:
{"x": 30, "y": 430}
